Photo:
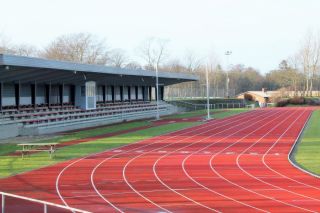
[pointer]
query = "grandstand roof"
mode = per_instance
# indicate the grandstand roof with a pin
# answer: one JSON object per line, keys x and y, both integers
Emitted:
{"x": 29, "y": 69}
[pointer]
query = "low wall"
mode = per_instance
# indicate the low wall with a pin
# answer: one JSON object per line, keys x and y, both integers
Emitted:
{"x": 28, "y": 131}
{"x": 9, "y": 131}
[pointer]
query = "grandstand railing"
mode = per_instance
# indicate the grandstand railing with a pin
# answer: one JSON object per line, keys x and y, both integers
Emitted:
{"x": 44, "y": 203}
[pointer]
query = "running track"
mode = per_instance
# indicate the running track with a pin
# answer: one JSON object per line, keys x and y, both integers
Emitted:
{"x": 237, "y": 164}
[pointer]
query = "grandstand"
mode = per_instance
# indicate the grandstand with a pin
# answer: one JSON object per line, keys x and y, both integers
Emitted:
{"x": 39, "y": 96}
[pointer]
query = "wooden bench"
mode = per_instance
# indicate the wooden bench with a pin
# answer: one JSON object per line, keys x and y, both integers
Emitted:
{"x": 27, "y": 148}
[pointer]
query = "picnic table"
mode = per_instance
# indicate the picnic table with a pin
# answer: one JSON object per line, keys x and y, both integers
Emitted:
{"x": 37, "y": 147}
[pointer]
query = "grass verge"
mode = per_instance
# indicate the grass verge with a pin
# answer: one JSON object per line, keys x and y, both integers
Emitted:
{"x": 11, "y": 165}
{"x": 307, "y": 153}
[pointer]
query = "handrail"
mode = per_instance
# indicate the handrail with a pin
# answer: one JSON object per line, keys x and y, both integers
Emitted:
{"x": 45, "y": 203}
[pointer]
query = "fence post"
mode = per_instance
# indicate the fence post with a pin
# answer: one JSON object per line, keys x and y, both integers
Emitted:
{"x": 2, "y": 203}
{"x": 45, "y": 208}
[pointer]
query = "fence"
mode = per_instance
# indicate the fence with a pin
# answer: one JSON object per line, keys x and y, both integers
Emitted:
{"x": 45, "y": 204}
{"x": 172, "y": 92}
{"x": 192, "y": 106}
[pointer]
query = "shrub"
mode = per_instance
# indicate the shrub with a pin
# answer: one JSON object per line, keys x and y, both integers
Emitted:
{"x": 282, "y": 103}
{"x": 297, "y": 101}
{"x": 248, "y": 97}
{"x": 312, "y": 102}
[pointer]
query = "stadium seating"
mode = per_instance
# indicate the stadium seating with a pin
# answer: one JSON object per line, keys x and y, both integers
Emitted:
{"x": 42, "y": 115}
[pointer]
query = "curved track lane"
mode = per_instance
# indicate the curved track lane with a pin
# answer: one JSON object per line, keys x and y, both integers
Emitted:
{"x": 237, "y": 164}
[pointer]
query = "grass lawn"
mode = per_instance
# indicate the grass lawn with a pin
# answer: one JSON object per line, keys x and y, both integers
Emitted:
{"x": 11, "y": 165}
{"x": 9, "y": 148}
{"x": 307, "y": 153}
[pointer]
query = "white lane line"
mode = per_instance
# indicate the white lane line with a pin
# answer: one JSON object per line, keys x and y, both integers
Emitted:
{"x": 253, "y": 153}
{"x": 229, "y": 153}
{"x": 289, "y": 159}
{"x": 298, "y": 167}
{"x": 130, "y": 192}
{"x": 284, "y": 176}
{"x": 237, "y": 185}
{"x": 241, "y": 124}
{"x": 156, "y": 139}
{"x": 197, "y": 128}
{"x": 213, "y": 191}
{"x": 196, "y": 135}
{"x": 249, "y": 174}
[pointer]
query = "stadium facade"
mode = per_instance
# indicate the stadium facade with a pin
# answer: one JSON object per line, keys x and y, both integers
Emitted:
{"x": 35, "y": 93}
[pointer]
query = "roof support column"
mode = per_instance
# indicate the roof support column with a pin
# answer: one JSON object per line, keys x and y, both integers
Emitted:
{"x": 73, "y": 94}
{"x": 61, "y": 91}
{"x": 121, "y": 93}
{"x": 161, "y": 93}
{"x": 48, "y": 95}
{"x": 34, "y": 95}
{"x": 157, "y": 93}
{"x": 17, "y": 88}
{"x": 150, "y": 93}
{"x": 143, "y": 88}
{"x": 137, "y": 92}
{"x": 1, "y": 95}
{"x": 129, "y": 93}
{"x": 113, "y": 94}
{"x": 104, "y": 93}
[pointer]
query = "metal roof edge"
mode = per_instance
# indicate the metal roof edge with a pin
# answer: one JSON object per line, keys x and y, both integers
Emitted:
{"x": 24, "y": 61}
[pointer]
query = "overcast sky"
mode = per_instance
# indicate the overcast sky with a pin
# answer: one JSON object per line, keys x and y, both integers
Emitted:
{"x": 260, "y": 33}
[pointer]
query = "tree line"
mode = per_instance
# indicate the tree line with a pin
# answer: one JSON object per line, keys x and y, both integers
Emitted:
{"x": 298, "y": 73}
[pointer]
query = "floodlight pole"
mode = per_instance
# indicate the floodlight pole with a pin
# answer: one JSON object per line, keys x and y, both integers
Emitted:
{"x": 157, "y": 92}
{"x": 208, "y": 99}
{"x": 227, "y": 53}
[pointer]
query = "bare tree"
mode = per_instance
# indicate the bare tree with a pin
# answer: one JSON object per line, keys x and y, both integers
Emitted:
{"x": 25, "y": 50}
{"x": 79, "y": 47}
{"x": 6, "y": 46}
{"x": 118, "y": 58}
{"x": 192, "y": 62}
{"x": 133, "y": 65}
{"x": 309, "y": 58}
{"x": 153, "y": 51}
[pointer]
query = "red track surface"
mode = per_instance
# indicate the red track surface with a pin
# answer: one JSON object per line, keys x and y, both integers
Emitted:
{"x": 238, "y": 164}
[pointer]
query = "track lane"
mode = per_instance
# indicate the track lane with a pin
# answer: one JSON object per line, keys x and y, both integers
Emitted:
{"x": 266, "y": 161}
{"x": 146, "y": 157}
{"x": 303, "y": 193}
{"x": 244, "y": 178}
{"x": 66, "y": 190}
{"x": 223, "y": 185}
{"x": 195, "y": 148}
{"x": 171, "y": 146}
